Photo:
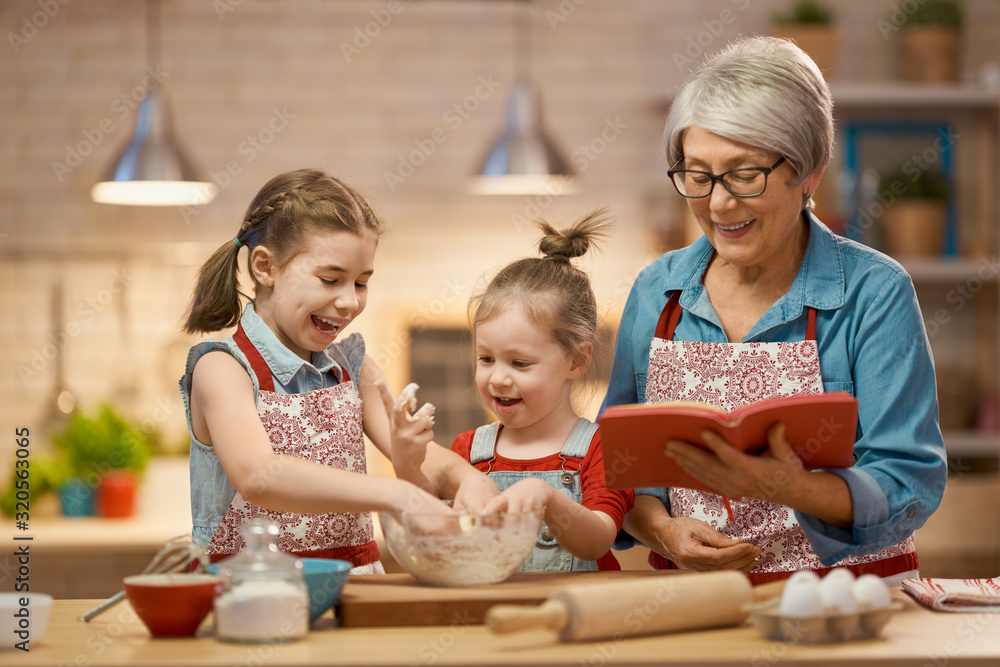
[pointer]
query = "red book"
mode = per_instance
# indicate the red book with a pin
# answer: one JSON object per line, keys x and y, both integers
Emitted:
{"x": 820, "y": 427}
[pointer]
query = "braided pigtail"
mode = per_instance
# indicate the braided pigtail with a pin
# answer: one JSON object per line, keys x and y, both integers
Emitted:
{"x": 215, "y": 303}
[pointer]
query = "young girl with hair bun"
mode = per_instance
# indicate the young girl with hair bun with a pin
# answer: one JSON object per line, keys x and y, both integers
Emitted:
{"x": 278, "y": 411}
{"x": 534, "y": 330}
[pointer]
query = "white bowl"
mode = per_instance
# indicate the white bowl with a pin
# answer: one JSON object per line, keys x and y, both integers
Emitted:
{"x": 23, "y": 619}
{"x": 461, "y": 550}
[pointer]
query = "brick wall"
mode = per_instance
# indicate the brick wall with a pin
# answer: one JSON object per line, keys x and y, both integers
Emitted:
{"x": 263, "y": 87}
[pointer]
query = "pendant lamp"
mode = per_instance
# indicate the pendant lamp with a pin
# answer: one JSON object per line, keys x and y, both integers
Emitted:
{"x": 153, "y": 169}
{"x": 523, "y": 159}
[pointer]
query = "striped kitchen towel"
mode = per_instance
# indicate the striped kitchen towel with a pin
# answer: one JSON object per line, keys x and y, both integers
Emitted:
{"x": 981, "y": 595}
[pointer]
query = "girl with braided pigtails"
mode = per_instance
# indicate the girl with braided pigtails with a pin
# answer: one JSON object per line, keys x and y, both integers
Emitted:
{"x": 278, "y": 411}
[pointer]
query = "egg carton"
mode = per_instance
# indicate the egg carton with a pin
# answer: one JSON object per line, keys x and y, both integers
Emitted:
{"x": 831, "y": 627}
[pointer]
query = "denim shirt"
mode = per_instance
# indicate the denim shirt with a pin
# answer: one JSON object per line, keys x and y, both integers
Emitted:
{"x": 211, "y": 490}
{"x": 872, "y": 344}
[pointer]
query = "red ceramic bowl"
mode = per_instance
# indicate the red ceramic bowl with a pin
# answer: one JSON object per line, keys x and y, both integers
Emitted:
{"x": 171, "y": 605}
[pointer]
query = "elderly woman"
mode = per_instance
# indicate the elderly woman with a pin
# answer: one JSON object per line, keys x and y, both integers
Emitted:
{"x": 770, "y": 303}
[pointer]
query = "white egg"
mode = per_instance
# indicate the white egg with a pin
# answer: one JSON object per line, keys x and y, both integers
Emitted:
{"x": 809, "y": 575}
{"x": 841, "y": 573}
{"x": 800, "y": 596}
{"x": 871, "y": 592}
{"x": 837, "y": 594}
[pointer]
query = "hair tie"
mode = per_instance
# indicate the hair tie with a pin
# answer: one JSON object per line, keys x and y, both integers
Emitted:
{"x": 237, "y": 242}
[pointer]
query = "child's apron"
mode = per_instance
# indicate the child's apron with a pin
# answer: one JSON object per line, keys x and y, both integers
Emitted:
{"x": 547, "y": 555}
{"x": 323, "y": 425}
{"x": 729, "y": 375}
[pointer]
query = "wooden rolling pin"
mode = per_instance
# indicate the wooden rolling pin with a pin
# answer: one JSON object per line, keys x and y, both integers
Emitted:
{"x": 650, "y": 605}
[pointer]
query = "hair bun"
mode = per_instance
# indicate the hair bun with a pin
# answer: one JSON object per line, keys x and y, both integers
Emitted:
{"x": 564, "y": 245}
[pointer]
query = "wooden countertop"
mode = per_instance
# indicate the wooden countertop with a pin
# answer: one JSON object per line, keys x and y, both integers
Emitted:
{"x": 915, "y": 636}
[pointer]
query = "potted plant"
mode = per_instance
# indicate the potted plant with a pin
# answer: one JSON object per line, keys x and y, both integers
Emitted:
{"x": 45, "y": 473}
{"x": 930, "y": 40}
{"x": 809, "y": 23}
{"x": 104, "y": 455}
{"x": 913, "y": 222}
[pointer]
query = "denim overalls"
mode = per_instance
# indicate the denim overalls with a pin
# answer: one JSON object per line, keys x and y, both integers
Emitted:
{"x": 547, "y": 554}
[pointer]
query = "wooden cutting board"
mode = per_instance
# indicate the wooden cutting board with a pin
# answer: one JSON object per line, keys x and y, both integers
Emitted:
{"x": 400, "y": 600}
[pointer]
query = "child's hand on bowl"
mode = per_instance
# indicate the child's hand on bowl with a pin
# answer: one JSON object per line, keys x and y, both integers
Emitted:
{"x": 528, "y": 495}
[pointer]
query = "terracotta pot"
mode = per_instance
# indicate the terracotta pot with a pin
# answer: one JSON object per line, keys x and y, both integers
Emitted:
{"x": 116, "y": 494}
{"x": 914, "y": 227}
{"x": 930, "y": 54}
{"x": 821, "y": 42}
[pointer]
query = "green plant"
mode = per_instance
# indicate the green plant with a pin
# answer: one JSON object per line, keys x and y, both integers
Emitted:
{"x": 45, "y": 473}
{"x": 812, "y": 12}
{"x": 908, "y": 184}
{"x": 943, "y": 13}
{"x": 93, "y": 446}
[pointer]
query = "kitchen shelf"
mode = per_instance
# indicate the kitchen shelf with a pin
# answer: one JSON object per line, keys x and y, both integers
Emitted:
{"x": 963, "y": 330}
{"x": 892, "y": 95}
{"x": 972, "y": 444}
{"x": 948, "y": 271}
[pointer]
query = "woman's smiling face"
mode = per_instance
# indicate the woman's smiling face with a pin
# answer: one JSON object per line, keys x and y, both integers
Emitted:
{"x": 747, "y": 231}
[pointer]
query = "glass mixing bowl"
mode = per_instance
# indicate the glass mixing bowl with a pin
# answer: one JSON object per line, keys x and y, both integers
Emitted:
{"x": 460, "y": 550}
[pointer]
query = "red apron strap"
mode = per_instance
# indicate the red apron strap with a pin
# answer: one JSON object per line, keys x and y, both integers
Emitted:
{"x": 257, "y": 362}
{"x": 811, "y": 327}
{"x": 669, "y": 317}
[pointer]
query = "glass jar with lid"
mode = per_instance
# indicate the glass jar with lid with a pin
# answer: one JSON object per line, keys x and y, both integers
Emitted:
{"x": 264, "y": 596}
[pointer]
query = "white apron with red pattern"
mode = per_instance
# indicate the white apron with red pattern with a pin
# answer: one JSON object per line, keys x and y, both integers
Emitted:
{"x": 728, "y": 375}
{"x": 324, "y": 425}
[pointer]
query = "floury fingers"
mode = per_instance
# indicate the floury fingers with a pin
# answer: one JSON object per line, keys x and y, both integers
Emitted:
{"x": 409, "y": 397}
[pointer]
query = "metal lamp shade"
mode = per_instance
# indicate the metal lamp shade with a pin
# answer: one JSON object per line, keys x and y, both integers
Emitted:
{"x": 153, "y": 169}
{"x": 524, "y": 159}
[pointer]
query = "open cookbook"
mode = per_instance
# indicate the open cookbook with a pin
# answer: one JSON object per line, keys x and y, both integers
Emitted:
{"x": 820, "y": 428}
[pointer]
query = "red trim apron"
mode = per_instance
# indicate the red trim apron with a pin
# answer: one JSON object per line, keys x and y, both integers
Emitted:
{"x": 324, "y": 425}
{"x": 729, "y": 375}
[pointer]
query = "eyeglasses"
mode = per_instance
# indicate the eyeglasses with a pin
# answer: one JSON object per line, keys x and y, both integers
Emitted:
{"x": 747, "y": 182}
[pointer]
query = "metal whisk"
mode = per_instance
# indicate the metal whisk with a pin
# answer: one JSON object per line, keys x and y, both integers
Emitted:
{"x": 177, "y": 555}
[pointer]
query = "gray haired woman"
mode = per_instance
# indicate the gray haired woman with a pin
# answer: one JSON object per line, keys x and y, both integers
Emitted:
{"x": 770, "y": 303}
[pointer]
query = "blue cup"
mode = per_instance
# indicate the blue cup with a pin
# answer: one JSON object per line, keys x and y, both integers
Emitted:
{"x": 77, "y": 498}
